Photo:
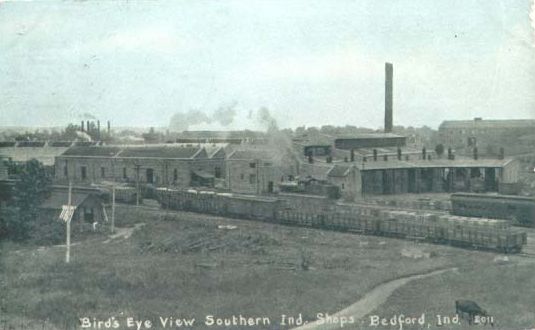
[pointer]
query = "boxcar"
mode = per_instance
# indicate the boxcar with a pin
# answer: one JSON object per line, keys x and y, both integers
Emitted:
{"x": 520, "y": 210}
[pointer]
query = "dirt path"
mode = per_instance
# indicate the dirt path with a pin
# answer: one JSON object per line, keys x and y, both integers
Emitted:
{"x": 123, "y": 232}
{"x": 373, "y": 299}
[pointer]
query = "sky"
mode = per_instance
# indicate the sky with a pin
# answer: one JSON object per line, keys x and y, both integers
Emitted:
{"x": 310, "y": 62}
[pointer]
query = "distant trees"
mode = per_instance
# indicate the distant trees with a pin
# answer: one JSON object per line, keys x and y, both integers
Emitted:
{"x": 30, "y": 190}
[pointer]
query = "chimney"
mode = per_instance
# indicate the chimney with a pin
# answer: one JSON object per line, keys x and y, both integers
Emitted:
{"x": 352, "y": 155}
{"x": 424, "y": 153}
{"x": 385, "y": 158}
{"x": 450, "y": 154}
{"x": 87, "y": 127}
{"x": 82, "y": 126}
{"x": 475, "y": 153}
{"x": 375, "y": 154}
{"x": 109, "y": 127}
{"x": 98, "y": 129}
{"x": 389, "y": 70}
{"x": 399, "y": 153}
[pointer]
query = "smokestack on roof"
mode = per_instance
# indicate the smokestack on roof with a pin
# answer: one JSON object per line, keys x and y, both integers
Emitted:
{"x": 109, "y": 127}
{"x": 389, "y": 71}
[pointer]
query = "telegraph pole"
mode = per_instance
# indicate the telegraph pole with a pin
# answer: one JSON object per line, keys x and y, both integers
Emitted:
{"x": 137, "y": 184}
{"x": 68, "y": 239}
{"x": 113, "y": 208}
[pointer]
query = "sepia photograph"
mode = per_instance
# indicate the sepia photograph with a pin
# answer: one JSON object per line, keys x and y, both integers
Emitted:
{"x": 267, "y": 164}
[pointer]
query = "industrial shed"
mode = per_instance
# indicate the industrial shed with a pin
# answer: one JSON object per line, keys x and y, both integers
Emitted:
{"x": 436, "y": 175}
{"x": 89, "y": 207}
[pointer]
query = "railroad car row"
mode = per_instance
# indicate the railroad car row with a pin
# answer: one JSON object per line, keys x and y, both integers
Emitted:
{"x": 367, "y": 219}
{"x": 498, "y": 237}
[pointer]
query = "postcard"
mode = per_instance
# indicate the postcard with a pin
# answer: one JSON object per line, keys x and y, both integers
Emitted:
{"x": 267, "y": 164}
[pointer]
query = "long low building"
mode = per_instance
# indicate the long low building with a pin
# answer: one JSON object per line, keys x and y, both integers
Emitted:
{"x": 437, "y": 175}
{"x": 159, "y": 165}
{"x": 390, "y": 175}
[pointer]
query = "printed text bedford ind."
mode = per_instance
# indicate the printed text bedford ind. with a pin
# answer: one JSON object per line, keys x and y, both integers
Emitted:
{"x": 168, "y": 322}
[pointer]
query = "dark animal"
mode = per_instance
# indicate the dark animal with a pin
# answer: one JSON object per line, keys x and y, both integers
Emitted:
{"x": 470, "y": 308}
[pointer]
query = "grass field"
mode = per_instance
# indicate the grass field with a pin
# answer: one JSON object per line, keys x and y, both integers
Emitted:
{"x": 190, "y": 265}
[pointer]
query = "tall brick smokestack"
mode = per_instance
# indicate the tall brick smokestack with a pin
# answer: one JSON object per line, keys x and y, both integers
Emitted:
{"x": 389, "y": 71}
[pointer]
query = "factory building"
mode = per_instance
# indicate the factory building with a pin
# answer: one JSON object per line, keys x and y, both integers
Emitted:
{"x": 383, "y": 164}
{"x": 345, "y": 176}
{"x": 158, "y": 165}
{"x": 372, "y": 140}
{"x": 259, "y": 170}
{"x": 489, "y": 136}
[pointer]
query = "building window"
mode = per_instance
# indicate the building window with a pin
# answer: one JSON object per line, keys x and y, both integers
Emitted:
{"x": 102, "y": 172}
{"x": 175, "y": 175}
{"x": 217, "y": 171}
{"x": 252, "y": 165}
{"x": 83, "y": 170}
{"x": 124, "y": 173}
{"x": 252, "y": 178}
{"x": 149, "y": 174}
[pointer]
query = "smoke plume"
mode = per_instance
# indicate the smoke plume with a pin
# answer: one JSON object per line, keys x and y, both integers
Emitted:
{"x": 266, "y": 119}
{"x": 225, "y": 115}
{"x": 181, "y": 121}
{"x": 87, "y": 115}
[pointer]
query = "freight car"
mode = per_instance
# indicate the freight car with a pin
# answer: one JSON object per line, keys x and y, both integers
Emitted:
{"x": 487, "y": 234}
{"x": 519, "y": 210}
{"x": 490, "y": 234}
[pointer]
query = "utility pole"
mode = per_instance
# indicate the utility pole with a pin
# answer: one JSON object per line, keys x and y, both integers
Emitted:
{"x": 137, "y": 184}
{"x": 68, "y": 238}
{"x": 113, "y": 208}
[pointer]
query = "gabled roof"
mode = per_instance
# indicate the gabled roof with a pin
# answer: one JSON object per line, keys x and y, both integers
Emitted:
{"x": 59, "y": 198}
{"x": 509, "y": 123}
{"x": 107, "y": 151}
{"x": 149, "y": 151}
{"x": 163, "y": 152}
{"x": 339, "y": 171}
{"x": 249, "y": 154}
{"x": 218, "y": 153}
{"x": 377, "y": 135}
{"x": 433, "y": 163}
{"x": 43, "y": 154}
